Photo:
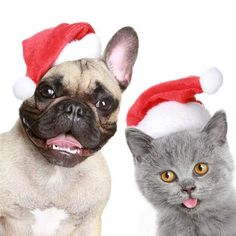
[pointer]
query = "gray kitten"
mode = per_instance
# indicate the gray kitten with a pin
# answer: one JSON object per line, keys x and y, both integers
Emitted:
{"x": 188, "y": 177}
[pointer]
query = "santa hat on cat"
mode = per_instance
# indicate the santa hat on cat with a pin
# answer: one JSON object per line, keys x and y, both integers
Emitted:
{"x": 171, "y": 106}
{"x": 65, "y": 42}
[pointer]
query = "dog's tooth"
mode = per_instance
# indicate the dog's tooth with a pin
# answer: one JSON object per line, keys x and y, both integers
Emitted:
{"x": 65, "y": 149}
{"x": 54, "y": 147}
{"x": 73, "y": 151}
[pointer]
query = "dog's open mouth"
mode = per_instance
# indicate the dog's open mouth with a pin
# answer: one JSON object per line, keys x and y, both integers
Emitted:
{"x": 63, "y": 149}
{"x": 67, "y": 143}
{"x": 64, "y": 142}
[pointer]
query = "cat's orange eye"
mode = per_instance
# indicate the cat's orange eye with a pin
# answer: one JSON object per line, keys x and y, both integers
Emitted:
{"x": 168, "y": 176}
{"x": 201, "y": 169}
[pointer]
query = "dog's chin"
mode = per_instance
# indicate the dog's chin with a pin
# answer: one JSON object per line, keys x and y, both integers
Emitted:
{"x": 65, "y": 158}
{"x": 67, "y": 154}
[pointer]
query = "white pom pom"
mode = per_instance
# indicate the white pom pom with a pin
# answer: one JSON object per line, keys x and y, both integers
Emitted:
{"x": 88, "y": 47}
{"x": 211, "y": 81}
{"x": 24, "y": 88}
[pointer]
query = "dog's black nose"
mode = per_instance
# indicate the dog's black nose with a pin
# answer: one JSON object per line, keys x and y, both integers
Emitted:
{"x": 75, "y": 110}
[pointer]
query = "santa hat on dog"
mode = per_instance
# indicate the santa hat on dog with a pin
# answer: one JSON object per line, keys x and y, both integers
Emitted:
{"x": 65, "y": 42}
{"x": 171, "y": 106}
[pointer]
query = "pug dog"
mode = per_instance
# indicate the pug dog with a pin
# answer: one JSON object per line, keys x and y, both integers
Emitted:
{"x": 54, "y": 180}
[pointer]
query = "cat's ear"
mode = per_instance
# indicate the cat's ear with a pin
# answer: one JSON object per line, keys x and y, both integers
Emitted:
{"x": 138, "y": 142}
{"x": 120, "y": 55}
{"x": 215, "y": 130}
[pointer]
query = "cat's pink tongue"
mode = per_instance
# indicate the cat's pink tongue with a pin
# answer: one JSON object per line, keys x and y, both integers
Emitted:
{"x": 190, "y": 203}
{"x": 64, "y": 140}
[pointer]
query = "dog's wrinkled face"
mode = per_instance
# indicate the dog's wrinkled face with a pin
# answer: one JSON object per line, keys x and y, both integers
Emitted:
{"x": 73, "y": 112}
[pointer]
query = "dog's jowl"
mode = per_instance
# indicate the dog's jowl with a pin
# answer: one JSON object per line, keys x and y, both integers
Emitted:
{"x": 54, "y": 180}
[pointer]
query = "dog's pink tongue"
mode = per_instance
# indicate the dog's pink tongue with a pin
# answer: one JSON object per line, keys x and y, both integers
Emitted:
{"x": 191, "y": 202}
{"x": 64, "y": 140}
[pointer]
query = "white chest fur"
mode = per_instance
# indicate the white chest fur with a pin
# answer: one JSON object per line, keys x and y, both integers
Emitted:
{"x": 47, "y": 221}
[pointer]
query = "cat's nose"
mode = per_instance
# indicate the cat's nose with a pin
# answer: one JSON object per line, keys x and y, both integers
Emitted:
{"x": 188, "y": 185}
{"x": 189, "y": 189}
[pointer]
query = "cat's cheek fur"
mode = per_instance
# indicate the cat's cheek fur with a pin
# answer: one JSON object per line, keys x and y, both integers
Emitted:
{"x": 148, "y": 185}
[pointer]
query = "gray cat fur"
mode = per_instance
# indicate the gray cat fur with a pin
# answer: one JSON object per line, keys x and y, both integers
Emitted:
{"x": 216, "y": 213}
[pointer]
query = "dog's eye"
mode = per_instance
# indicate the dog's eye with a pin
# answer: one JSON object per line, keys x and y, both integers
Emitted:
{"x": 46, "y": 91}
{"x": 104, "y": 104}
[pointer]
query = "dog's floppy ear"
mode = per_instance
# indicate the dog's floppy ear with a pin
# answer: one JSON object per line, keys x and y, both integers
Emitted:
{"x": 120, "y": 55}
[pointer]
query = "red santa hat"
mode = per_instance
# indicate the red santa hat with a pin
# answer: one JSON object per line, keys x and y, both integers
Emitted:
{"x": 171, "y": 106}
{"x": 65, "y": 42}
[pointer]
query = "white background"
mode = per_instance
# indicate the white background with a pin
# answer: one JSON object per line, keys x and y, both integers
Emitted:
{"x": 177, "y": 39}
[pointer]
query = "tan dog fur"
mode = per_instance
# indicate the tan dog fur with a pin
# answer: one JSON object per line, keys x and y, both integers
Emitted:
{"x": 28, "y": 182}
{"x": 34, "y": 183}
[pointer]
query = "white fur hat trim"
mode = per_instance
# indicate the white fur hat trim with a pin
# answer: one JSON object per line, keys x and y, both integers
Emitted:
{"x": 171, "y": 117}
